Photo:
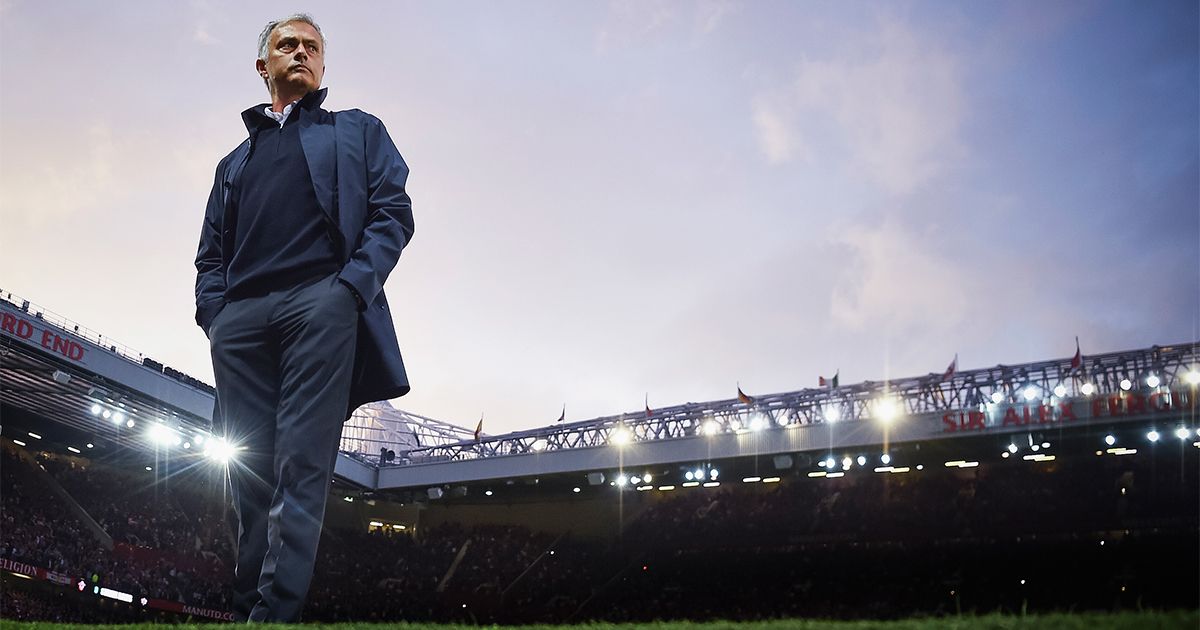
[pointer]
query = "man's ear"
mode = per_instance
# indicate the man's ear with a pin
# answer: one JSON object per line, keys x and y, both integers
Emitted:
{"x": 261, "y": 66}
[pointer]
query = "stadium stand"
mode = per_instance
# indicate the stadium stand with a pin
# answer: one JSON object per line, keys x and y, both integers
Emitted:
{"x": 1083, "y": 531}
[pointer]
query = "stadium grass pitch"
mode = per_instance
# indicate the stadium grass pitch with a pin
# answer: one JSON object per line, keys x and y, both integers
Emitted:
{"x": 1056, "y": 621}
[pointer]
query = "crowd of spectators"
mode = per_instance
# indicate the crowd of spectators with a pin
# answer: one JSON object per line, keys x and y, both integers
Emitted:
{"x": 1090, "y": 533}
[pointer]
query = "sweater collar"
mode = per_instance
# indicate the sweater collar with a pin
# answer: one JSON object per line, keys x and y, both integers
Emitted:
{"x": 254, "y": 116}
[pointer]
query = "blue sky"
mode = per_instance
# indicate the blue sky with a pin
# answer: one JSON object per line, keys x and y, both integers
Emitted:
{"x": 616, "y": 199}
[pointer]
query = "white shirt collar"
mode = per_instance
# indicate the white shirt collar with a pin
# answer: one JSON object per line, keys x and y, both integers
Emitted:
{"x": 280, "y": 117}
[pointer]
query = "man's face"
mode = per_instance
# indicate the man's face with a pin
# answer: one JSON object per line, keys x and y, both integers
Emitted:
{"x": 295, "y": 59}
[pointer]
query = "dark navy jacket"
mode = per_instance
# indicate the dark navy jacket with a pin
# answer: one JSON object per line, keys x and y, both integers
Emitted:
{"x": 359, "y": 178}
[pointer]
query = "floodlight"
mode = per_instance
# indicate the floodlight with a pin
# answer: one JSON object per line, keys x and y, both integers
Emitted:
{"x": 1126, "y": 384}
{"x": 1153, "y": 380}
{"x": 886, "y": 409}
{"x": 1060, "y": 390}
{"x": 1030, "y": 392}
{"x": 1152, "y": 436}
{"x": 1110, "y": 439}
{"x": 1182, "y": 433}
{"x": 220, "y": 450}
{"x": 1087, "y": 389}
{"x": 96, "y": 409}
{"x": 997, "y": 397}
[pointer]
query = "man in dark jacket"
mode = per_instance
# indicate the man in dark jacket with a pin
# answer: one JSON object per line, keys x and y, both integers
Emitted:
{"x": 305, "y": 221}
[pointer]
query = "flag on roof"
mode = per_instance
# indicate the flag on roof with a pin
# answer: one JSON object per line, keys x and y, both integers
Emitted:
{"x": 649, "y": 411}
{"x": 742, "y": 397}
{"x": 829, "y": 382}
{"x": 952, "y": 369}
{"x": 479, "y": 428}
{"x": 562, "y": 416}
{"x": 1077, "y": 360}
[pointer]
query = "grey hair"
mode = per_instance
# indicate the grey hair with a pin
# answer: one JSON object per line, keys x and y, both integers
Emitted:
{"x": 265, "y": 37}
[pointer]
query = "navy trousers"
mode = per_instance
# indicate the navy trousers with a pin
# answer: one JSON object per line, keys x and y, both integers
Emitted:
{"x": 282, "y": 364}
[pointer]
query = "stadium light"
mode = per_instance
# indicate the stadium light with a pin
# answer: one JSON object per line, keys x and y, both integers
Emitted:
{"x": 220, "y": 450}
{"x": 1183, "y": 433}
{"x": 129, "y": 423}
{"x": 18, "y": 443}
{"x": 1153, "y": 380}
{"x": 621, "y": 481}
{"x": 757, "y": 424}
{"x": 1030, "y": 392}
{"x": 1126, "y": 384}
{"x": 1087, "y": 389}
{"x": 487, "y": 493}
{"x": 997, "y": 397}
{"x": 647, "y": 478}
{"x": 886, "y": 409}
{"x": 1060, "y": 390}
{"x": 34, "y": 435}
{"x": 199, "y": 439}
{"x": 689, "y": 476}
{"x": 1192, "y": 377}
{"x": 1110, "y": 439}
{"x": 1004, "y": 454}
{"x": 159, "y": 434}
{"x": 830, "y": 463}
{"x": 575, "y": 489}
{"x": 847, "y": 463}
{"x": 118, "y": 417}
{"x": 885, "y": 458}
{"x": 90, "y": 445}
{"x": 635, "y": 480}
{"x": 1152, "y": 436}
{"x": 620, "y": 436}
{"x": 1045, "y": 445}
{"x": 713, "y": 473}
{"x": 710, "y": 427}
{"x": 96, "y": 409}
{"x": 1012, "y": 448}
{"x": 862, "y": 461}
{"x": 539, "y": 444}
{"x": 106, "y": 414}
{"x": 832, "y": 413}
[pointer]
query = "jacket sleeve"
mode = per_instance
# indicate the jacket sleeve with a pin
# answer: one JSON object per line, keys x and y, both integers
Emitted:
{"x": 210, "y": 272}
{"x": 389, "y": 221}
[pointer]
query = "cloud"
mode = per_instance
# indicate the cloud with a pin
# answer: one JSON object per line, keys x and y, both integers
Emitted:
{"x": 895, "y": 279}
{"x": 711, "y": 13}
{"x": 895, "y": 114}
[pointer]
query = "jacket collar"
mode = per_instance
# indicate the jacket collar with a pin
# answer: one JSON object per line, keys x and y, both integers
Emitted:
{"x": 253, "y": 117}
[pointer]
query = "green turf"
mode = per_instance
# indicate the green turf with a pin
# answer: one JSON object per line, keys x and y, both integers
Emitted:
{"x": 1080, "y": 621}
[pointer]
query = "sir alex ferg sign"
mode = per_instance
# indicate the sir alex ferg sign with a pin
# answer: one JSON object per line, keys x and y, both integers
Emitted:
{"x": 38, "y": 332}
{"x": 1065, "y": 412}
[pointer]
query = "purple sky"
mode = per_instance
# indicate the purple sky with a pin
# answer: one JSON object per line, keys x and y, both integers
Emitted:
{"x": 622, "y": 198}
